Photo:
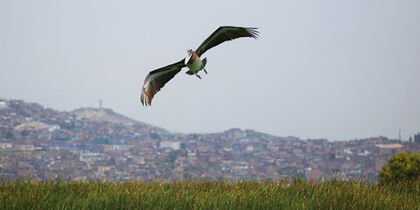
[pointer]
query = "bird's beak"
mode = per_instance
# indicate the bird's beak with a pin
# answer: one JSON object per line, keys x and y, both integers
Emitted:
{"x": 188, "y": 58}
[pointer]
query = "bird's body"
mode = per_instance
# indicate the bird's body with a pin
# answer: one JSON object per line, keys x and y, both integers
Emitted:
{"x": 195, "y": 64}
{"x": 156, "y": 79}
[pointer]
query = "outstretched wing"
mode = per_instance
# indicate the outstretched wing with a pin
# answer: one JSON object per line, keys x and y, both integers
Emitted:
{"x": 156, "y": 79}
{"x": 226, "y": 33}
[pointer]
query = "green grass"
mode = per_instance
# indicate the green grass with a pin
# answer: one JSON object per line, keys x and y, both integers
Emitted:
{"x": 206, "y": 194}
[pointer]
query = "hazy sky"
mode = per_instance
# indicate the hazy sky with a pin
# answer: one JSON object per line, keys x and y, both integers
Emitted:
{"x": 329, "y": 69}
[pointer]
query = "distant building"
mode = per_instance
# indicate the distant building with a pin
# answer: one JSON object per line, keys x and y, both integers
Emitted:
{"x": 169, "y": 144}
{"x": 51, "y": 128}
{"x": 417, "y": 138}
{"x": 24, "y": 147}
{"x": 3, "y": 104}
{"x": 389, "y": 146}
{"x": 5, "y": 145}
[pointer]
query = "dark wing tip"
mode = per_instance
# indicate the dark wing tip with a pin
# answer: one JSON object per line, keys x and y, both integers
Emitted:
{"x": 253, "y": 33}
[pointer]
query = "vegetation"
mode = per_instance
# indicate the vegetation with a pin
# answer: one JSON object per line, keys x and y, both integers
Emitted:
{"x": 207, "y": 194}
{"x": 401, "y": 167}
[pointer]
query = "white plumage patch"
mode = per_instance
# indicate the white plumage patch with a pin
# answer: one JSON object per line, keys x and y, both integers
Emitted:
{"x": 187, "y": 59}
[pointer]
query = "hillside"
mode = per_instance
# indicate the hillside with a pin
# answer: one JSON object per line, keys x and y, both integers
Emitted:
{"x": 35, "y": 115}
{"x": 104, "y": 115}
{"x": 92, "y": 143}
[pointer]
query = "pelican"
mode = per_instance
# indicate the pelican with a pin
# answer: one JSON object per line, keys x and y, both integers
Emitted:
{"x": 156, "y": 79}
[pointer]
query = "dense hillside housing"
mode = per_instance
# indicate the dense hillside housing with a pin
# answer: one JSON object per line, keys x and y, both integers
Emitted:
{"x": 98, "y": 143}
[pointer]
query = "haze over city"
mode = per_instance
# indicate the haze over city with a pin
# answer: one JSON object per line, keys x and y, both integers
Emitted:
{"x": 327, "y": 69}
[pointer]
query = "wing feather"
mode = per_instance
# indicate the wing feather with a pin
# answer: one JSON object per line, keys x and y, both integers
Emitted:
{"x": 156, "y": 79}
{"x": 226, "y": 33}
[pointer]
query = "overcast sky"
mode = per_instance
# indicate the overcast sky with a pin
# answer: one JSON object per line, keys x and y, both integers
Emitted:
{"x": 320, "y": 69}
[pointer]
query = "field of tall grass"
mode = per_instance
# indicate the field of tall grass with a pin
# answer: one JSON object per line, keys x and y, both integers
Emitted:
{"x": 207, "y": 194}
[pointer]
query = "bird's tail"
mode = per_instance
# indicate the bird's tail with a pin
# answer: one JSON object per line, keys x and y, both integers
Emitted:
{"x": 204, "y": 62}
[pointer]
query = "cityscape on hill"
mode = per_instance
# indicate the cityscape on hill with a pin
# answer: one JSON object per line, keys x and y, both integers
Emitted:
{"x": 91, "y": 143}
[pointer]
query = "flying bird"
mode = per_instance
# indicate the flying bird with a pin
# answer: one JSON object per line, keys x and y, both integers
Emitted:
{"x": 156, "y": 79}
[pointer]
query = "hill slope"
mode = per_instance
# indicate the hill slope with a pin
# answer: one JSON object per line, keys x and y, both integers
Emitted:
{"x": 93, "y": 143}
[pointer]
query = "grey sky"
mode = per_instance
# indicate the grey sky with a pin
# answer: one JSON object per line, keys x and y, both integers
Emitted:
{"x": 330, "y": 69}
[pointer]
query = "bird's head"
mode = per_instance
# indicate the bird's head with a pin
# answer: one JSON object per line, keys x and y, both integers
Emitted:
{"x": 189, "y": 55}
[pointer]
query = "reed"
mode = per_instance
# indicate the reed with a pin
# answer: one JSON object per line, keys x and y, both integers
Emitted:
{"x": 207, "y": 194}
